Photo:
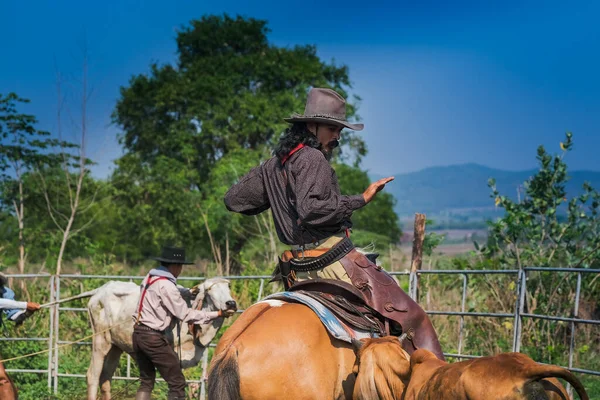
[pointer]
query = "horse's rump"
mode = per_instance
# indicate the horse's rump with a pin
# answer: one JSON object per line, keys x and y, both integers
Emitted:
{"x": 280, "y": 350}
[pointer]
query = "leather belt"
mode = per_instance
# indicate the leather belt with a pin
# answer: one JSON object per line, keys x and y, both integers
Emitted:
{"x": 143, "y": 327}
{"x": 320, "y": 258}
{"x": 311, "y": 246}
{"x": 291, "y": 254}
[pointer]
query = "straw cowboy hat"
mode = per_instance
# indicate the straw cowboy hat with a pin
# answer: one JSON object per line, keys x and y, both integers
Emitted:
{"x": 325, "y": 106}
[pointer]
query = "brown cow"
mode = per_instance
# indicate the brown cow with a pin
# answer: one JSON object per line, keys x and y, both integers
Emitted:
{"x": 376, "y": 376}
{"x": 8, "y": 390}
{"x": 385, "y": 372}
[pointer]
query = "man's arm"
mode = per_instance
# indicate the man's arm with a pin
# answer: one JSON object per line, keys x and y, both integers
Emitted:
{"x": 172, "y": 300}
{"x": 248, "y": 196}
{"x": 12, "y": 304}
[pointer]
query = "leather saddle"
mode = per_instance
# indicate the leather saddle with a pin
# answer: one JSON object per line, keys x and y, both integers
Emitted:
{"x": 345, "y": 302}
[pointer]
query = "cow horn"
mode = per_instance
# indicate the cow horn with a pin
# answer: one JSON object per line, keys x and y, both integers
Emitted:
{"x": 196, "y": 287}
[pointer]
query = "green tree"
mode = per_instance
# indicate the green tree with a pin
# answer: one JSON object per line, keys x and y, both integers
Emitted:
{"x": 547, "y": 227}
{"x": 230, "y": 89}
{"x": 23, "y": 148}
{"x": 94, "y": 210}
{"x": 155, "y": 206}
{"x": 185, "y": 125}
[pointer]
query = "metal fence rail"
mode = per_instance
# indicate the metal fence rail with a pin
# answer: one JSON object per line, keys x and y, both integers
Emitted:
{"x": 518, "y": 315}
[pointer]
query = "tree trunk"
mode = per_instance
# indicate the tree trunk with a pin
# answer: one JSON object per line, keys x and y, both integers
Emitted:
{"x": 20, "y": 218}
{"x": 227, "y": 262}
{"x": 67, "y": 231}
{"x": 61, "y": 252}
{"x": 21, "y": 229}
{"x": 419, "y": 238}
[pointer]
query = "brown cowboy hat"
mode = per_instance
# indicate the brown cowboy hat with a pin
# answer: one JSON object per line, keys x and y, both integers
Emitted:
{"x": 325, "y": 106}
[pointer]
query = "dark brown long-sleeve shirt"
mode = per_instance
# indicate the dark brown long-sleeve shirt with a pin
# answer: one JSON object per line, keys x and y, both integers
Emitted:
{"x": 311, "y": 209}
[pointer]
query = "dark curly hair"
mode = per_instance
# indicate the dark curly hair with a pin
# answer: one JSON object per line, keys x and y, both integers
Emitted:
{"x": 292, "y": 137}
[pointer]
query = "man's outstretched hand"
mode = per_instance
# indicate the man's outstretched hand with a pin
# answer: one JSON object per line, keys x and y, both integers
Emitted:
{"x": 375, "y": 187}
{"x": 32, "y": 306}
{"x": 226, "y": 313}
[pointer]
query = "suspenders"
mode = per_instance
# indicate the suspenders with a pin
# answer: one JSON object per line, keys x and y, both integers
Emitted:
{"x": 146, "y": 286}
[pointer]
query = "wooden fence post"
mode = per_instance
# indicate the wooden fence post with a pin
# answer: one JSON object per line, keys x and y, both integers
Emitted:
{"x": 417, "y": 254}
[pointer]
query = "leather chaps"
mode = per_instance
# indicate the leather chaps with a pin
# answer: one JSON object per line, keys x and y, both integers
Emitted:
{"x": 383, "y": 294}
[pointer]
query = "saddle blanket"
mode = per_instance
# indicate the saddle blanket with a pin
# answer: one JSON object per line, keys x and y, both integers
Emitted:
{"x": 334, "y": 326}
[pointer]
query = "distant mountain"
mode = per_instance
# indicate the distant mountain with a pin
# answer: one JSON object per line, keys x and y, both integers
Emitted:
{"x": 463, "y": 188}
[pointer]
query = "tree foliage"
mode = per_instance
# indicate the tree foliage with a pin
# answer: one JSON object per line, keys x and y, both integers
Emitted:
{"x": 190, "y": 130}
{"x": 547, "y": 227}
{"x": 22, "y": 145}
{"x": 230, "y": 90}
{"x": 23, "y": 149}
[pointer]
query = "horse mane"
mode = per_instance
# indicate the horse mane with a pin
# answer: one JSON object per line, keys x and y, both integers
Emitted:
{"x": 383, "y": 370}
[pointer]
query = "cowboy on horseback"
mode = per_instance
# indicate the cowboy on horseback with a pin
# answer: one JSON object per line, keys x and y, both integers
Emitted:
{"x": 314, "y": 218}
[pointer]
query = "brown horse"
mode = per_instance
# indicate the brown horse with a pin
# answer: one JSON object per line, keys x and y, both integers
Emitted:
{"x": 8, "y": 390}
{"x": 386, "y": 372}
{"x": 277, "y": 350}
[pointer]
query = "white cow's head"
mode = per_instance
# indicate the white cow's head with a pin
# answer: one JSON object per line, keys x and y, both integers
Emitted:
{"x": 213, "y": 294}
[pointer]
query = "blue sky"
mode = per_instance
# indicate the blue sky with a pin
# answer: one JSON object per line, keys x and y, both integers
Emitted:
{"x": 441, "y": 82}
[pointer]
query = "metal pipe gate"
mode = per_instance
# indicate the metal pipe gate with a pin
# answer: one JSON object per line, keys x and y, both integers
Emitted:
{"x": 518, "y": 316}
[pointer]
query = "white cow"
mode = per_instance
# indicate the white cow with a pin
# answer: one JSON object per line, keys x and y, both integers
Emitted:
{"x": 110, "y": 310}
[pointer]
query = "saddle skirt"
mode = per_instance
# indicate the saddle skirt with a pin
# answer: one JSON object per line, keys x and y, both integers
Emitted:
{"x": 337, "y": 328}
